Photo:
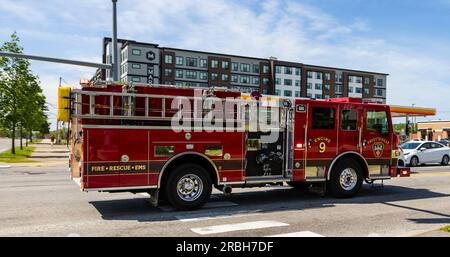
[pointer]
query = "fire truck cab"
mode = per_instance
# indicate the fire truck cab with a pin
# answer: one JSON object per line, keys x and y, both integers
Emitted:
{"x": 128, "y": 138}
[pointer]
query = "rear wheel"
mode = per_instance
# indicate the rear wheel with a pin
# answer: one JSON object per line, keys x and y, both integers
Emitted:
{"x": 414, "y": 161}
{"x": 346, "y": 179}
{"x": 188, "y": 187}
{"x": 445, "y": 160}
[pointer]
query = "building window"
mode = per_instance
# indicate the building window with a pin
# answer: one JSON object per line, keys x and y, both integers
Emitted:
{"x": 338, "y": 89}
{"x": 245, "y": 67}
{"x": 358, "y": 80}
{"x": 214, "y": 76}
{"x": 266, "y": 81}
{"x": 366, "y": 91}
{"x": 136, "y": 66}
{"x": 338, "y": 77}
{"x": 234, "y": 78}
{"x": 327, "y": 76}
{"x": 366, "y": 81}
{"x": 327, "y": 87}
{"x": 191, "y": 74}
{"x": 309, "y": 86}
{"x": 203, "y": 75}
{"x": 318, "y": 75}
{"x": 191, "y": 62}
{"x": 310, "y": 74}
{"x": 245, "y": 80}
{"x": 288, "y": 93}
{"x": 288, "y": 70}
{"x": 350, "y": 89}
{"x": 297, "y": 83}
{"x": 309, "y": 95}
{"x": 318, "y": 96}
{"x": 379, "y": 92}
{"x": 179, "y": 74}
{"x": 255, "y": 68}
{"x": 322, "y": 118}
{"x": 255, "y": 81}
{"x": 225, "y": 65}
{"x": 179, "y": 60}
{"x": 278, "y": 81}
{"x": 234, "y": 66}
{"x": 349, "y": 120}
{"x": 168, "y": 72}
{"x": 379, "y": 83}
{"x": 358, "y": 90}
{"x": 265, "y": 69}
{"x": 318, "y": 86}
{"x": 214, "y": 64}
{"x": 277, "y": 92}
{"x": 136, "y": 52}
{"x": 225, "y": 77}
{"x": 203, "y": 63}
{"x": 297, "y": 93}
{"x": 168, "y": 59}
{"x": 288, "y": 82}
{"x": 136, "y": 79}
{"x": 297, "y": 71}
{"x": 278, "y": 69}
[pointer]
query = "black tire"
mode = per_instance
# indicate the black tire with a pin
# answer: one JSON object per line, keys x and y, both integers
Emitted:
{"x": 414, "y": 162}
{"x": 445, "y": 160}
{"x": 190, "y": 171}
{"x": 335, "y": 186}
{"x": 299, "y": 185}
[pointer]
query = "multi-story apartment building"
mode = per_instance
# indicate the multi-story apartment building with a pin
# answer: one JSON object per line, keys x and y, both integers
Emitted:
{"x": 150, "y": 63}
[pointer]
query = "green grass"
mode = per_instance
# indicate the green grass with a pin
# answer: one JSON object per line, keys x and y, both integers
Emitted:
{"x": 20, "y": 156}
{"x": 446, "y": 229}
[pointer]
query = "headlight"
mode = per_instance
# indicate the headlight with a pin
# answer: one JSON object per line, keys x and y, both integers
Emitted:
{"x": 405, "y": 154}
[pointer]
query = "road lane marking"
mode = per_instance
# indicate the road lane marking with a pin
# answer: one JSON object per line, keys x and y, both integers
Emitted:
{"x": 238, "y": 226}
{"x": 217, "y": 215}
{"x": 299, "y": 234}
{"x": 432, "y": 174}
{"x": 209, "y": 205}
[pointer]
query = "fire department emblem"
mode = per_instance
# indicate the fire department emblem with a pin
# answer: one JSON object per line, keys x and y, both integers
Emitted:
{"x": 378, "y": 149}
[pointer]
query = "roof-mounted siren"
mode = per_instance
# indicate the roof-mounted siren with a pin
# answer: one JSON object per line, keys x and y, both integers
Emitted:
{"x": 256, "y": 94}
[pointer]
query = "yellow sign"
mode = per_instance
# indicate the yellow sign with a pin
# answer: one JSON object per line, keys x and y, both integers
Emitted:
{"x": 63, "y": 104}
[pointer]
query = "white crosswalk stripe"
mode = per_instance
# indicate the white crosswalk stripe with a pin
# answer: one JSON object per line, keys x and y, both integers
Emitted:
{"x": 238, "y": 226}
{"x": 216, "y": 215}
{"x": 298, "y": 234}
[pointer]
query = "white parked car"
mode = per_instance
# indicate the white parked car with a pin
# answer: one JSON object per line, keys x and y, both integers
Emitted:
{"x": 424, "y": 152}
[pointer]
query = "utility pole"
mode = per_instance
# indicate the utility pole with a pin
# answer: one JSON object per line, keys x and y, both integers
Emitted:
{"x": 57, "y": 122}
{"x": 115, "y": 57}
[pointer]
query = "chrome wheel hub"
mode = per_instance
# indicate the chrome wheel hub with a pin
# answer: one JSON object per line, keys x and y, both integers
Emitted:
{"x": 348, "y": 179}
{"x": 189, "y": 187}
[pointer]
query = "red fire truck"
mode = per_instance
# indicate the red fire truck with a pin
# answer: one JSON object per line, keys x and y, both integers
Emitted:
{"x": 123, "y": 139}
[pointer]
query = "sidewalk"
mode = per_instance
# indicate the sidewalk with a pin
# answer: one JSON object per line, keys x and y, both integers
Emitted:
{"x": 46, "y": 154}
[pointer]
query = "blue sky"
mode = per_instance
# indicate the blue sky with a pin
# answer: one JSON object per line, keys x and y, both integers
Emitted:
{"x": 409, "y": 39}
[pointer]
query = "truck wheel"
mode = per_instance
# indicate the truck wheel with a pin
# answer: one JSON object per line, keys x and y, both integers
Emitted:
{"x": 188, "y": 187}
{"x": 445, "y": 160}
{"x": 414, "y": 161}
{"x": 299, "y": 185}
{"x": 346, "y": 179}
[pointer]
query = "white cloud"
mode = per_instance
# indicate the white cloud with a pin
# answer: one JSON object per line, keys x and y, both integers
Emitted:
{"x": 289, "y": 30}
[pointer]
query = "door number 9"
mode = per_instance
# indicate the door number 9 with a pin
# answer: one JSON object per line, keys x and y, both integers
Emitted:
{"x": 322, "y": 147}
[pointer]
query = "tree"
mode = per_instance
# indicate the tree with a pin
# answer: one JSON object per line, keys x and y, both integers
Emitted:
{"x": 22, "y": 104}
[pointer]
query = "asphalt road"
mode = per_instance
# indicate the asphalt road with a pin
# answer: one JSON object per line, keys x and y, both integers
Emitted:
{"x": 43, "y": 201}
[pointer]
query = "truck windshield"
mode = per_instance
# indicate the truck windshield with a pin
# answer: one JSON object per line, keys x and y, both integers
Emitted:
{"x": 410, "y": 146}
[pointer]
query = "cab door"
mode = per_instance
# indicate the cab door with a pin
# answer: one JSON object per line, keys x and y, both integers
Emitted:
{"x": 350, "y": 128}
{"x": 376, "y": 141}
{"x": 321, "y": 139}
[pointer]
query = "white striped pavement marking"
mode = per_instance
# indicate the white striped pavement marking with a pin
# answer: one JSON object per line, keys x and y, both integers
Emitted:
{"x": 238, "y": 226}
{"x": 298, "y": 234}
{"x": 216, "y": 215}
{"x": 209, "y": 205}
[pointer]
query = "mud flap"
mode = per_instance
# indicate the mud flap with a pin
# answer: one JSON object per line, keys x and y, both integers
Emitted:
{"x": 154, "y": 197}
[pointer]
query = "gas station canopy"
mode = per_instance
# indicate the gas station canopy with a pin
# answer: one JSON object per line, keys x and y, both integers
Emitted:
{"x": 403, "y": 111}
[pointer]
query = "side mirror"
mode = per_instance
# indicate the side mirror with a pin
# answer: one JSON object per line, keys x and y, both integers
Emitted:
{"x": 423, "y": 149}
